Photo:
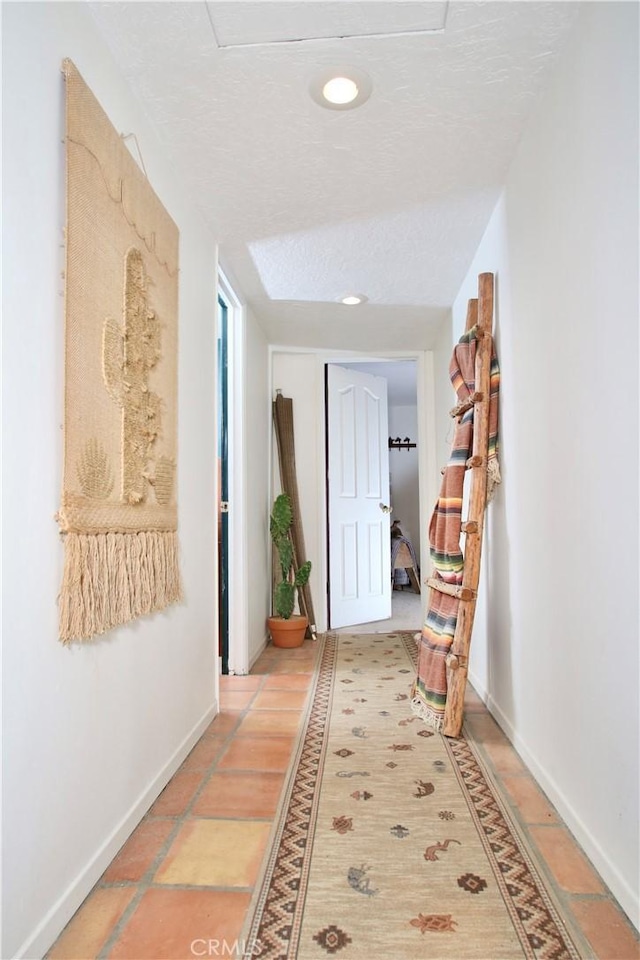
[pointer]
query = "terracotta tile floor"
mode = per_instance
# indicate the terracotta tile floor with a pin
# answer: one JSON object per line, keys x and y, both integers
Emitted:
{"x": 188, "y": 871}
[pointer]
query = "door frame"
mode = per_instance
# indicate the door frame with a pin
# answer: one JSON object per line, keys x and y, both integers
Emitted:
{"x": 238, "y": 649}
{"x": 428, "y": 467}
{"x": 428, "y": 471}
{"x": 427, "y": 447}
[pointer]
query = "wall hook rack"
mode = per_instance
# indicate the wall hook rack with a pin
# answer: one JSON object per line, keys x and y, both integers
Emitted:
{"x": 398, "y": 444}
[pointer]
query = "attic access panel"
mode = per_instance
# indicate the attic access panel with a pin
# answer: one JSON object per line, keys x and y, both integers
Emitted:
{"x": 255, "y": 23}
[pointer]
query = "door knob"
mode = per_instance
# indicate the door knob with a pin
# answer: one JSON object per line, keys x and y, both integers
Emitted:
{"x": 384, "y": 508}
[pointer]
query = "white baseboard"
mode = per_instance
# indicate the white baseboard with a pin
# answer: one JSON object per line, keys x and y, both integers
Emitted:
{"x": 477, "y": 686}
{"x": 621, "y": 890}
{"x": 258, "y": 653}
{"x": 50, "y": 927}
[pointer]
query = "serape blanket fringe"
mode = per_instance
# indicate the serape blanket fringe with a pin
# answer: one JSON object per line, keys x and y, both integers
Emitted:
{"x": 430, "y": 691}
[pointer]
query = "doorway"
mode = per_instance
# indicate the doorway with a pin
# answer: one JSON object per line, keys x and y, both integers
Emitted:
{"x": 223, "y": 483}
{"x": 231, "y": 593}
{"x": 405, "y": 500}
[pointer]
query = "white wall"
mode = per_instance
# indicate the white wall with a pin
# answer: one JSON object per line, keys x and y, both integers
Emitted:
{"x": 404, "y": 473}
{"x": 556, "y": 643}
{"x": 90, "y": 733}
{"x": 445, "y": 397}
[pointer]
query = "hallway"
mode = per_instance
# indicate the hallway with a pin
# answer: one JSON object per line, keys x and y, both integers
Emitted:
{"x": 505, "y": 142}
{"x": 182, "y": 884}
{"x": 406, "y": 614}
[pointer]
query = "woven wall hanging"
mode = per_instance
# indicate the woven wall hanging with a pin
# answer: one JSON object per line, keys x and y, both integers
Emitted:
{"x": 118, "y": 514}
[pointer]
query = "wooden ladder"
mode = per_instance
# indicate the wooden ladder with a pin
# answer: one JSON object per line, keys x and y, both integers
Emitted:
{"x": 480, "y": 314}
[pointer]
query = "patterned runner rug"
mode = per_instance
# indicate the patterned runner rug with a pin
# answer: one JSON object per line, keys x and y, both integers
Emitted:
{"x": 391, "y": 841}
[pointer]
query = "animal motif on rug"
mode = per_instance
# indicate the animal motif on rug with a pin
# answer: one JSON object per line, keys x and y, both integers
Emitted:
{"x": 358, "y": 880}
{"x": 434, "y": 922}
{"x": 432, "y": 851}
{"x": 424, "y": 789}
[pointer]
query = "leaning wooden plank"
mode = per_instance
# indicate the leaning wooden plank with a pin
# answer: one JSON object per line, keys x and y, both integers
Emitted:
{"x": 472, "y": 314}
{"x": 283, "y": 421}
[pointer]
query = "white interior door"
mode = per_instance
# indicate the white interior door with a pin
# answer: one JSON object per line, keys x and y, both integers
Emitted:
{"x": 358, "y": 483}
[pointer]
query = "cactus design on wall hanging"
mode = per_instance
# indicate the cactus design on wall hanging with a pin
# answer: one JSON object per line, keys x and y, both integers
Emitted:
{"x": 129, "y": 353}
{"x": 94, "y": 471}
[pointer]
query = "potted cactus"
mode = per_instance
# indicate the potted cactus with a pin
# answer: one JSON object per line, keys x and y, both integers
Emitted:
{"x": 286, "y": 628}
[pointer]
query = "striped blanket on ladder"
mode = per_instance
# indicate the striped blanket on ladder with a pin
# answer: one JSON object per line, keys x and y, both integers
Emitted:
{"x": 430, "y": 690}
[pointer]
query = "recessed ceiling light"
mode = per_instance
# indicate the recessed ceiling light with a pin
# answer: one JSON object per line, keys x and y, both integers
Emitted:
{"x": 354, "y": 299}
{"x": 340, "y": 88}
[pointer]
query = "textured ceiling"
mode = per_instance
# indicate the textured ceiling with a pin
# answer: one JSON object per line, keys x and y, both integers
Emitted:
{"x": 390, "y": 199}
{"x": 237, "y": 23}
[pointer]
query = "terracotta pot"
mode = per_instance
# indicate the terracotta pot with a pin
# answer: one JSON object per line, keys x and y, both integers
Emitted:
{"x": 287, "y": 633}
